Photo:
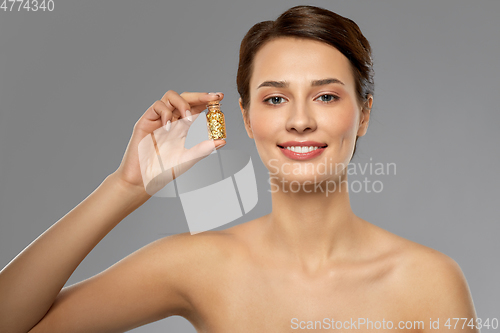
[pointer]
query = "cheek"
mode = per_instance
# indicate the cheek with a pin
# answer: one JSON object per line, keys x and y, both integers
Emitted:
{"x": 264, "y": 125}
{"x": 343, "y": 123}
{"x": 347, "y": 124}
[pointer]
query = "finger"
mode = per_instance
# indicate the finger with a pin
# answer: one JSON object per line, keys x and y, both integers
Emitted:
{"x": 159, "y": 111}
{"x": 201, "y": 150}
{"x": 198, "y": 101}
{"x": 179, "y": 128}
{"x": 175, "y": 102}
{"x": 219, "y": 143}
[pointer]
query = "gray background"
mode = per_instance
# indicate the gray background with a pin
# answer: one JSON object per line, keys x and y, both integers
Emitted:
{"x": 74, "y": 81}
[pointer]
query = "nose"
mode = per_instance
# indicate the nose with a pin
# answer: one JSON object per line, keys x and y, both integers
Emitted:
{"x": 300, "y": 118}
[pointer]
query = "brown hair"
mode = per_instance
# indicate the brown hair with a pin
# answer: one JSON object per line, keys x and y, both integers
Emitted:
{"x": 312, "y": 23}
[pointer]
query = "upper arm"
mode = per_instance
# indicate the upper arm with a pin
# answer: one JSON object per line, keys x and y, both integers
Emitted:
{"x": 443, "y": 293}
{"x": 143, "y": 287}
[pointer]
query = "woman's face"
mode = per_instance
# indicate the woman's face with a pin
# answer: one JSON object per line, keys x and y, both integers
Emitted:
{"x": 303, "y": 90}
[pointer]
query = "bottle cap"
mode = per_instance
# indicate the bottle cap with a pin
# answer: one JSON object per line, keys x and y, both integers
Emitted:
{"x": 213, "y": 103}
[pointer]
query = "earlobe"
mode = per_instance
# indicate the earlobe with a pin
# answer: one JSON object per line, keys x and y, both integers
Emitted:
{"x": 246, "y": 121}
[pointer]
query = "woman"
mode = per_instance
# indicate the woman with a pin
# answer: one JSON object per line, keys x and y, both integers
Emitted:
{"x": 305, "y": 79}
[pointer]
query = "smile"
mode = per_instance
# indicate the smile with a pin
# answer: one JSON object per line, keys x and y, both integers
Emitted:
{"x": 301, "y": 149}
{"x": 301, "y": 152}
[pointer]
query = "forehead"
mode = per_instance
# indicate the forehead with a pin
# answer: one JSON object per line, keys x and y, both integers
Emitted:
{"x": 299, "y": 60}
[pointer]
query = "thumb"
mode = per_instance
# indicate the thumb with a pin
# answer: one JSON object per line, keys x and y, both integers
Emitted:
{"x": 219, "y": 143}
{"x": 202, "y": 150}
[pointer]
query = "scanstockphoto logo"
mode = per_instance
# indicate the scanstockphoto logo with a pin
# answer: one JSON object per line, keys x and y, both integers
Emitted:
{"x": 329, "y": 177}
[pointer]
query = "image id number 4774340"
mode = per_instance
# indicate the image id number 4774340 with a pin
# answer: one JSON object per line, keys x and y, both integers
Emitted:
{"x": 27, "y": 5}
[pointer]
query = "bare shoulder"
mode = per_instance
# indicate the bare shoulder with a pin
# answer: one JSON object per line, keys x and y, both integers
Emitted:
{"x": 437, "y": 287}
{"x": 220, "y": 244}
{"x": 203, "y": 256}
{"x": 432, "y": 283}
{"x": 415, "y": 261}
{"x": 435, "y": 275}
{"x": 216, "y": 244}
{"x": 201, "y": 248}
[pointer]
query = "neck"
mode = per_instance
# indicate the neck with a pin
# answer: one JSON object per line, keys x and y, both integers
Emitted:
{"x": 311, "y": 228}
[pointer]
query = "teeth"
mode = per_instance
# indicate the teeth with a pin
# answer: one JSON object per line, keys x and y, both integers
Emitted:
{"x": 302, "y": 149}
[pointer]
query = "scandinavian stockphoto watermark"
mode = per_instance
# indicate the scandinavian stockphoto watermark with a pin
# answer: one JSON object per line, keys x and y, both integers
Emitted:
{"x": 355, "y": 324}
{"x": 363, "y": 324}
{"x": 328, "y": 176}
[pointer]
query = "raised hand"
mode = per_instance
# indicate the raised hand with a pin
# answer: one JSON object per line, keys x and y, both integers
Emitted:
{"x": 162, "y": 131}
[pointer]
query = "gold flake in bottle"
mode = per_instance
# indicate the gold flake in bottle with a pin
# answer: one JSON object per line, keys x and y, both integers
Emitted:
{"x": 216, "y": 123}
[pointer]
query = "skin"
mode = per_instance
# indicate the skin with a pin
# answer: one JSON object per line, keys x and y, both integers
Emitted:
{"x": 311, "y": 258}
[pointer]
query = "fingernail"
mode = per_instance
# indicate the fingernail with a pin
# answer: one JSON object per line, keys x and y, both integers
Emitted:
{"x": 167, "y": 126}
{"x": 188, "y": 115}
{"x": 219, "y": 94}
{"x": 212, "y": 93}
{"x": 220, "y": 145}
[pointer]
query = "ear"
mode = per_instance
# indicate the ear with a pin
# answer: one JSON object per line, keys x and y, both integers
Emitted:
{"x": 365, "y": 116}
{"x": 244, "y": 114}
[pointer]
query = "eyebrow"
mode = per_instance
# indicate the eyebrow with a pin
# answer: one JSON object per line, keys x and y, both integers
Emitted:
{"x": 286, "y": 84}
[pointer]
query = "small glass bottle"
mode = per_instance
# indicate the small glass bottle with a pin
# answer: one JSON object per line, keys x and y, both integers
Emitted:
{"x": 216, "y": 123}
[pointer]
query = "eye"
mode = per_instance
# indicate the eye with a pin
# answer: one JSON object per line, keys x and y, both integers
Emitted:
{"x": 327, "y": 98}
{"x": 274, "y": 100}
